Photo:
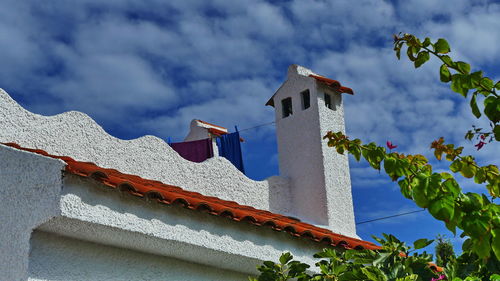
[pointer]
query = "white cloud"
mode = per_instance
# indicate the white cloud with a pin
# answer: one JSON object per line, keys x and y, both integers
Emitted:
{"x": 158, "y": 64}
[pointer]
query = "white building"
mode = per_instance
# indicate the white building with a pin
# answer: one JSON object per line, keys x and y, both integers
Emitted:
{"x": 76, "y": 205}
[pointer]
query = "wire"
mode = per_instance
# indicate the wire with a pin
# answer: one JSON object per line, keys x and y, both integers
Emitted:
{"x": 258, "y": 126}
{"x": 393, "y": 216}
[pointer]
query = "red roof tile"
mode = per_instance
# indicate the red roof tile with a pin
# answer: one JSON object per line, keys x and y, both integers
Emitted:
{"x": 222, "y": 129}
{"x": 216, "y": 132}
{"x": 168, "y": 194}
{"x": 333, "y": 83}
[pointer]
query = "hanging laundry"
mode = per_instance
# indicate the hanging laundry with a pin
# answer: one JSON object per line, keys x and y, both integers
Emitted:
{"x": 230, "y": 148}
{"x": 195, "y": 151}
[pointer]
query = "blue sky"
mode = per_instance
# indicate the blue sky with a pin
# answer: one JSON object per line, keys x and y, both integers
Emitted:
{"x": 149, "y": 67}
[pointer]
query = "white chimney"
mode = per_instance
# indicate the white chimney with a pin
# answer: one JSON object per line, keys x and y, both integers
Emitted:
{"x": 200, "y": 130}
{"x": 306, "y": 108}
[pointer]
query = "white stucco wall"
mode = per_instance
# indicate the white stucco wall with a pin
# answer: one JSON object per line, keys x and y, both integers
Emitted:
{"x": 76, "y": 135}
{"x": 60, "y": 258}
{"x": 319, "y": 177}
{"x": 336, "y": 167}
{"x": 90, "y": 212}
{"x": 35, "y": 195}
{"x": 30, "y": 187}
{"x": 299, "y": 151}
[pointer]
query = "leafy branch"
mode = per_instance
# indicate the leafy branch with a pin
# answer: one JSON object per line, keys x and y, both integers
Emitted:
{"x": 439, "y": 193}
{"x": 462, "y": 80}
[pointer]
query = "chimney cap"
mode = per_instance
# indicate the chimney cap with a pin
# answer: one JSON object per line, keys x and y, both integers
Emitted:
{"x": 295, "y": 70}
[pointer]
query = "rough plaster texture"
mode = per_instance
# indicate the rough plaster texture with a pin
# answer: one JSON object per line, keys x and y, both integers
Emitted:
{"x": 30, "y": 187}
{"x": 76, "y": 135}
{"x": 319, "y": 177}
{"x": 90, "y": 212}
{"x": 34, "y": 194}
{"x": 60, "y": 258}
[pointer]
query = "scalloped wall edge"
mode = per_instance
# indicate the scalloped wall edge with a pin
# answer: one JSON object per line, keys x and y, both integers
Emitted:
{"x": 77, "y": 135}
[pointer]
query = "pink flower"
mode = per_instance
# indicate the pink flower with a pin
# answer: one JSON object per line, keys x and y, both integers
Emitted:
{"x": 390, "y": 145}
{"x": 441, "y": 277}
{"x": 480, "y": 145}
{"x": 483, "y": 137}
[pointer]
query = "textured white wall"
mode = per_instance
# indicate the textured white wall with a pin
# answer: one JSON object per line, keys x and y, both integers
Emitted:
{"x": 196, "y": 132}
{"x": 91, "y": 212}
{"x": 33, "y": 195}
{"x": 60, "y": 258}
{"x": 336, "y": 167}
{"x": 77, "y": 135}
{"x": 30, "y": 187}
{"x": 299, "y": 151}
{"x": 319, "y": 177}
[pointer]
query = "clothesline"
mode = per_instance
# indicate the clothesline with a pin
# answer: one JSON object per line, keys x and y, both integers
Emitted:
{"x": 392, "y": 216}
{"x": 258, "y": 126}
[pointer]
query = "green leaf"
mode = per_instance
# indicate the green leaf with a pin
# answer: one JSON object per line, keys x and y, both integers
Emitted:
{"x": 355, "y": 151}
{"x": 451, "y": 186}
{"x": 456, "y": 166}
{"x": 374, "y": 157}
{"x": 419, "y": 192}
{"x": 496, "y": 131}
{"x": 421, "y": 58}
{"x": 441, "y": 46}
{"x": 457, "y": 84}
{"x": 442, "y": 208}
{"x": 444, "y": 74}
{"x": 467, "y": 245}
{"x": 285, "y": 258}
{"x": 410, "y": 54}
{"x": 492, "y": 108}
{"x": 452, "y": 226}
{"x": 480, "y": 176}
{"x": 482, "y": 247}
{"x": 495, "y": 242}
{"x": 269, "y": 264}
{"x": 463, "y": 67}
{"x": 469, "y": 135}
{"x": 422, "y": 243}
{"x": 426, "y": 42}
{"x": 405, "y": 188}
{"x": 374, "y": 274}
{"x": 447, "y": 60}
{"x": 468, "y": 170}
{"x": 476, "y": 78}
{"x": 487, "y": 83}
{"x": 475, "y": 226}
{"x": 473, "y": 105}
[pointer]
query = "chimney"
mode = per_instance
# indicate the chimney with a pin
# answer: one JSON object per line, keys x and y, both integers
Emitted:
{"x": 201, "y": 130}
{"x": 307, "y": 106}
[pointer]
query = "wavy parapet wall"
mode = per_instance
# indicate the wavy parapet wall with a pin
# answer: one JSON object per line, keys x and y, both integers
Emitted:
{"x": 77, "y": 135}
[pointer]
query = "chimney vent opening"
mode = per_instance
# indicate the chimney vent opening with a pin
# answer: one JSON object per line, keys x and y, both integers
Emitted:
{"x": 328, "y": 101}
{"x": 286, "y": 105}
{"x": 306, "y": 99}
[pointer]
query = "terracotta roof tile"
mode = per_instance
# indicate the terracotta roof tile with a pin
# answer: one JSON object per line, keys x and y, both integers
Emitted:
{"x": 333, "y": 83}
{"x": 216, "y": 132}
{"x": 168, "y": 194}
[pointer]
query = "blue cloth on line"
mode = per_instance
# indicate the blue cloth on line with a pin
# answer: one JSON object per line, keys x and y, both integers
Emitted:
{"x": 230, "y": 148}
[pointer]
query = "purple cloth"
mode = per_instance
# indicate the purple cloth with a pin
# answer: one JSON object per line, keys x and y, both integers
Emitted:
{"x": 196, "y": 151}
